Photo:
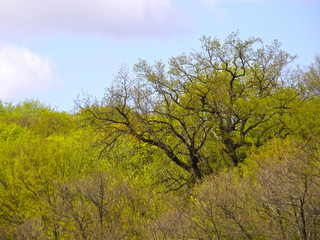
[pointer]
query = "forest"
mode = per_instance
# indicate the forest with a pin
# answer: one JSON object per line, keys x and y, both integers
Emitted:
{"x": 220, "y": 143}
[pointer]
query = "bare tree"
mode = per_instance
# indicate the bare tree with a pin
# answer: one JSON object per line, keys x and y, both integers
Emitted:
{"x": 93, "y": 207}
{"x": 289, "y": 191}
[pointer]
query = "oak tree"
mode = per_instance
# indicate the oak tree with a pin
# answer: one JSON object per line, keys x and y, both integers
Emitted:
{"x": 231, "y": 94}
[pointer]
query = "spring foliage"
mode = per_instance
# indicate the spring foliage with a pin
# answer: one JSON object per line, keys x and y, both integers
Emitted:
{"x": 222, "y": 143}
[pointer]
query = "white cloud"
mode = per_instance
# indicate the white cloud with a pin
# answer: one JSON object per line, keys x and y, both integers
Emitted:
{"x": 23, "y": 72}
{"x": 115, "y": 17}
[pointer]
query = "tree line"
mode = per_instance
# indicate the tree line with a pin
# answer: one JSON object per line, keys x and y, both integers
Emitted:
{"x": 222, "y": 143}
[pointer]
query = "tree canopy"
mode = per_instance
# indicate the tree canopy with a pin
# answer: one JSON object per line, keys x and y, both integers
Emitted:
{"x": 218, "y": 101}
{"x": 222, "y": 143}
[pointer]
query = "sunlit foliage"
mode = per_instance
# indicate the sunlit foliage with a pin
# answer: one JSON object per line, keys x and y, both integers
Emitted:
{"x": 223, "y": 143}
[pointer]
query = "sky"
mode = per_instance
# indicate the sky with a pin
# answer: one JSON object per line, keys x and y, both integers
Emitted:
{"x": 54, "y": 50}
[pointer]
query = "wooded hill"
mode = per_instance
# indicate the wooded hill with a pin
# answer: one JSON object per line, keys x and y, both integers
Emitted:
{"x": 223, "y": 143}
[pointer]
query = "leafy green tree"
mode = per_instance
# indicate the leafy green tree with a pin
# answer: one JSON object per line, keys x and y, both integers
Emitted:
{"x": 33, "y": 158}
{"x": 218, "y": 101}
{"x": 38, "y": 117}
{"x": 303, "y": 119}
{"x": 312, "y": 78}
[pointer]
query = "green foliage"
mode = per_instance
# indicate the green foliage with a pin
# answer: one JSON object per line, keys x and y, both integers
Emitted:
{"x": 220, "y": 144}
{"x": 31, "y": 162}
{"x": 37, "y": 117}
{"x": 222, "y": 100}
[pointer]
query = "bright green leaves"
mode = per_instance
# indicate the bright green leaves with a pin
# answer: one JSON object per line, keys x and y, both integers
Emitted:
{"x": 56, "y": 182}
{"x": 31, "y": 162}
{"x": 218, "y": 144}
{"x": 37, "y": 117}
{"x": 231, "y": 94}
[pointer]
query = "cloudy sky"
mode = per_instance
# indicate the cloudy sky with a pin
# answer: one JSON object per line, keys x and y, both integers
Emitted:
{"x": 52, "y": 50}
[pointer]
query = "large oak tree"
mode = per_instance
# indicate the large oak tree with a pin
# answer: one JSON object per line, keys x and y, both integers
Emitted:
{"x": 232, "y": 93}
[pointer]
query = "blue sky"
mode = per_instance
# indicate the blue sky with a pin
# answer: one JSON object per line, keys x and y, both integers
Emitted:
{"x": 52, "y": 50}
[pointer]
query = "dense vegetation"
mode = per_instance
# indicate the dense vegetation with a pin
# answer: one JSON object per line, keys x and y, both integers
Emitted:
{"x": 223, "y": 143}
